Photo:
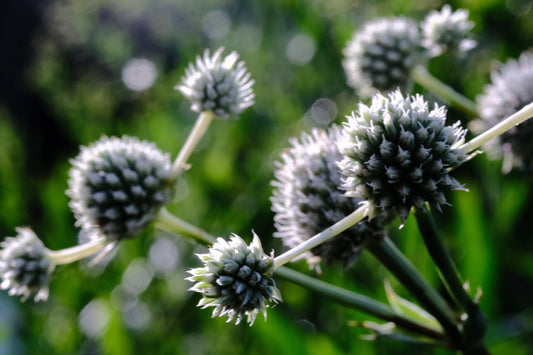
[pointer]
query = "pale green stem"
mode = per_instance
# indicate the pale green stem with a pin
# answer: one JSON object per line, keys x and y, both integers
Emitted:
{"x": 445, "y": 92}
{"x": 322, "y": 237}
{"x": 198, "y": 131}
{"x": 524, "y": 114}
{"x": 78, "y": 252}
{"x": 171, "y": 223}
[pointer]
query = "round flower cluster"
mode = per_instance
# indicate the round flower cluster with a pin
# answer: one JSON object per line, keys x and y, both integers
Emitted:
{"x": 447, "y": 31}
{"x": 25, "y": 268}
{"x": 398, "y": 153}
{"x": 307, "y": 199}
{"x": 118, "y": 185}
{"x": 220, "y": 85}
{"x": 510, "y": 90}
{"x": 381, "y": 54}
{"x": 236, "y": 279}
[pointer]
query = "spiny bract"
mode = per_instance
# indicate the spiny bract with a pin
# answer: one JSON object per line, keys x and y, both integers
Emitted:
{"x": 381, "y": 54}
{"x": 307, "y": 199}
{"x": 220, "y": 85}
{"x": 398, "y": 153}
{"x": 117, "y": 186}
{"x": 25, "y": 268}
{"x": 236, "y": 279}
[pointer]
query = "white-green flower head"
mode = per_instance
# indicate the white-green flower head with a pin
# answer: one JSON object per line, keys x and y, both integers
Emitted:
{"x": 307, "y": 199}
{"x": 236, "y": 279}
{"x": 381, "y": 54}
{"x": 510, "y": 90}
{"x": 219, "y": 84}
{"x": 447, "y": 31}
{"x": 118, "y": 185}
{"x": 25, "y": 267}
{"x": 398, "y": 153}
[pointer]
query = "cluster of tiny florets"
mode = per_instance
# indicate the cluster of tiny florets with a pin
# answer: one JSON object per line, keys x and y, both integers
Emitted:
{"x": 447, "y": 31}
{"x": 217, "y": 84}
{"x": 510, "y": 90}
{"x": 117, "y": 186}
{"x": 398, "y": 153}
{"x": 307, "y": 199}
{"x": 381, "y": 54}
{"x": 236, "y": 279}
{"x": 25, "y": 268}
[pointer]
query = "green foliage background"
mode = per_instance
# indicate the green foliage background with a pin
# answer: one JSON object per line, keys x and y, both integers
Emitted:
{"x": 62, "y": 88}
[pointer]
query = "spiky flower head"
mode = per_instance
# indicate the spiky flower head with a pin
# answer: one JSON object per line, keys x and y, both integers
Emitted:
{"x": 510, "y": 90}
{"x": 447, "y": 31}
{"x": 25, "y": 267}
{"x": 217, "y": 84}
{"x": 381, "y": 54}
{"x": 398, "y": 153}
{"x": 307, "y": 199}
{"x": 118, "y": 185}
{"x": 236, "y": 279}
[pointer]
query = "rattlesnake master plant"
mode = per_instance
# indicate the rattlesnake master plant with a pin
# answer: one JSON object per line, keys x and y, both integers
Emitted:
{"x": 25, "y": 268}
{"x": 381, "y": 54}
{"x": 117, "y": 186}
{"x": 307, "y": 199}
{"x": 217, "y": 84}
{"x": 236, "y": 279}
{"x": 398, "y": 153}
{"x": 447, "y": 31}
{"x": 510, "y": 90}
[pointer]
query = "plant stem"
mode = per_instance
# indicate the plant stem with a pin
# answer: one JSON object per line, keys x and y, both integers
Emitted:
{"x": 476, "y": 323}
{"x": 78, "y": 252}
{"x": 387, "y": 253}
{"x": 445, "y": 92}
{"x": 198, "y": 131}
{"x": 360, "y": 302}
{"x": 171, "y": 223}
{"x": 524, "y": 114}
{"x": 322, "y": 237}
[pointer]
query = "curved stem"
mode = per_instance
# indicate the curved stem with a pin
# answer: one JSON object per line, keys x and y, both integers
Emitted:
{"x": 198, "y": 131}
{"x": 476, "y": 323}
{"x": 445, "y": 92}
{"x": 171, "y": 223}
{"x": 323, "y": 236}
{"x": 78, "y": 252}
{"x": 387, "y": 253}
{"x": 524, "y": 114}
{"x": 360, "y": 302}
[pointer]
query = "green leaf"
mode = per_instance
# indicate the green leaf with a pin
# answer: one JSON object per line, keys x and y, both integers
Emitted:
{"x": 409, "y": 309}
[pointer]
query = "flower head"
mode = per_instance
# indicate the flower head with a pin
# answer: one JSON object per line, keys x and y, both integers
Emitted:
{"x": 307, "y": 199}
{"x": 117, "y": 186}
{"x": 236, "y": 279}
{"x": 25, "y": 268}
{"x": 381, "y": 54}
{"x": 510, "y": 90}
{"x": 447, "y": 31}
{"x": 220, "y": 85}
{"x": 398, "y": 153}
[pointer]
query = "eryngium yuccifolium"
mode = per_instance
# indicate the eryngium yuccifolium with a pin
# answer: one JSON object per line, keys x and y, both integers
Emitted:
{"x": 118, "y": 185}
{"x": 447, "y": 31}
{"x": 381, "y": 54}
{"x": 220, "y": 85}
{"x": 397, "y": 153}
{"x": 510, "y": 90}
{"x": 25, "y": 268}
{"x": 307, "y": 199}
{"x": 236, "y": 279}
